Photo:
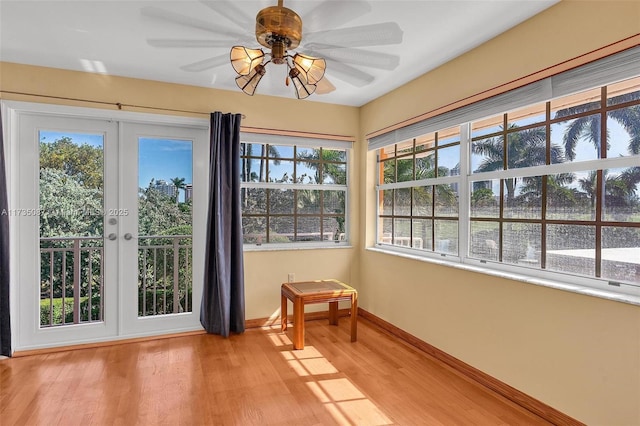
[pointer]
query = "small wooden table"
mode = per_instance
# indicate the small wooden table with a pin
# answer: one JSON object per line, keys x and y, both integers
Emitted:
{"x": 322, "y": 291}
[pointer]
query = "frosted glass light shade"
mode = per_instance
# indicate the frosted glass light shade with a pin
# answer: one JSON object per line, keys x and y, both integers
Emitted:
{"x": 249, "y": 83}
{"x": 312, "y": 69}
{"x": 303, "y": 89}
{"x": 244, "y": 60}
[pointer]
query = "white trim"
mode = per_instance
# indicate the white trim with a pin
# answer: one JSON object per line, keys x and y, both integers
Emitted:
{"x": 312, "y": 245}
{"x": 444, "y": 180}
{"x": 464, "y": 191}
{"x": 14, "y": 113}
{"x": 123, "y": 338}
{"x": 553, "y": 169}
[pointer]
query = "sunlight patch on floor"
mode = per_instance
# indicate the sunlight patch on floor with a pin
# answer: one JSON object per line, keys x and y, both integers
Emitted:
{"x": 342, "y": 399}
{"x": 308, "y": 362}
{"x": 279, "y": 339}
{"x": 346, "y": 403}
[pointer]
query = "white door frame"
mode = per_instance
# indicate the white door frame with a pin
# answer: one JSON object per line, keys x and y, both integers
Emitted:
{"x": 130, "y": 323}
{"x": 12, "y": 113}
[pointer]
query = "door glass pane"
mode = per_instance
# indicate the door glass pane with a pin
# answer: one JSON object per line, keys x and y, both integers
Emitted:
{"x": 71, "y": 227}
{"x": 165, "y": 199}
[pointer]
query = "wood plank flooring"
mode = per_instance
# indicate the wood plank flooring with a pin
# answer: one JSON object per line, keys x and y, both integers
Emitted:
{"x": 250, "y": 379}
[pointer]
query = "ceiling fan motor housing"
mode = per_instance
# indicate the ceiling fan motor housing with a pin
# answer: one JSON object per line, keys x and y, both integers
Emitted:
{"x": 279, "y": 29}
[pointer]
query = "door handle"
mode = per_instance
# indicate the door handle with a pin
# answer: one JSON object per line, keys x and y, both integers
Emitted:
{"x": 112, "y": 236}
{"x": 128, "y": 236}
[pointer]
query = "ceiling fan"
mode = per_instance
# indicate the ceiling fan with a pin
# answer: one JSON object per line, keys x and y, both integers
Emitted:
{"x": 280, "y": 30}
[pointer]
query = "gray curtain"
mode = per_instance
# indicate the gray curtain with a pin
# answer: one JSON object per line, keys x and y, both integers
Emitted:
{"x": 5, "y": 320}
{"x": 222, "y": 308}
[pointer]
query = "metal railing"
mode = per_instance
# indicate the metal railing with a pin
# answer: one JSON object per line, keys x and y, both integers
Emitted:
{"x": 72, "y": 278}
{"x": 164, "y": 274}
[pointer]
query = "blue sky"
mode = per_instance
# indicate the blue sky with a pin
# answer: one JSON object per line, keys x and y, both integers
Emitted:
{"x": 164, "y": 159}
{"x": 157, "y": 158}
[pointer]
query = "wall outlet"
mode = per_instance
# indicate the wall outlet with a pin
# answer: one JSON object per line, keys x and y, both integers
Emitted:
{"x": 291, "y": 277}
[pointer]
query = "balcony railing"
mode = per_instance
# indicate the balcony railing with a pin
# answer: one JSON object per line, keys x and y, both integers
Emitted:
{"x": 164, "y": 274}
{"x": 72, "y": 278}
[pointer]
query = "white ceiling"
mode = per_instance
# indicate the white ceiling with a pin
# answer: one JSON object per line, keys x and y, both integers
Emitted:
{"x": 111, "y": 37}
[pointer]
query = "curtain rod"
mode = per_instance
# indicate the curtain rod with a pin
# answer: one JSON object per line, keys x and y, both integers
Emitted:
{"x": 116, "y": 104}
{"x": 243, "y": 128}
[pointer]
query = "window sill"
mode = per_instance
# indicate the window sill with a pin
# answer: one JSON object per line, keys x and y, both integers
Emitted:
{"x": 573, "y": 288}
{"x": 286, "y": 247}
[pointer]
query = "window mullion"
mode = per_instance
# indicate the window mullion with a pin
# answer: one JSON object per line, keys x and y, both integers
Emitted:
{"x": 464, "y": 200}
{"x": 601, "y": 181}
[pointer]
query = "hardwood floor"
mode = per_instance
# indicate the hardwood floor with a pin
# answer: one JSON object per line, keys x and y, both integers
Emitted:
{"x": 250, "y": 379}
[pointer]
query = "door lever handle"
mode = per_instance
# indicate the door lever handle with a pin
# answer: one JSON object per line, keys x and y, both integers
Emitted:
{"x": 128, "y": 236}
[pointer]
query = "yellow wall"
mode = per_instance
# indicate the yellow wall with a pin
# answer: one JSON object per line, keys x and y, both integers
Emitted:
{"x": 265, "y": 271}
{"x": 579, "y": 354}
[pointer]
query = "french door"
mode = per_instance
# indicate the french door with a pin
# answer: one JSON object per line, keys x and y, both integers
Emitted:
{"x": 105, "y": 218}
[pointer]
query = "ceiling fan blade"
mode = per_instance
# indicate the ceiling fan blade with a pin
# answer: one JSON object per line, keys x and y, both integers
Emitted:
{"x": 207, "y": 64}
{"x": 324, "y": 86}
{"x": 349, "y": 74}
{"x": 168, "y": 42}
{"x": 384, "y": 61}
{"x": 229, "y": 11}
{"x": 332, "y": 14}
{"x": 365, "y": 35}
{"x": 187, "y": 21}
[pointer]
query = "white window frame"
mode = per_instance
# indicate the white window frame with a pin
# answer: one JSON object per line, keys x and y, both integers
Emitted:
{"x": 306, "y": 142}
{"x": 606, "y": 71}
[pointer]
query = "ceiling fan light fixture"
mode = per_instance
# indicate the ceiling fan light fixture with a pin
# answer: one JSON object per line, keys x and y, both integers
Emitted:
{"x": 281, "y": 23}
{"x": 245, "y": 60}
{"x": 279, "y": 29}
{"x": 303, "y": 89}
{"x": 249, "y": 83}
{"x": 311, "y": 68}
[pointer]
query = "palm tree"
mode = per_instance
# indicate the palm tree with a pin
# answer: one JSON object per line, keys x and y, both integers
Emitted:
{"x": 558, "y": 193}
{"x": 589, "y": 127}
{"x": 619, "y": 190}
{"x": 332, "y": 164}
{"x": 178, "y": 182}
{"x": 249, "y": 175}
{"x": 273, "y": 153}
{"x": 588, "y": 186}
{"x": 525, "y": 148}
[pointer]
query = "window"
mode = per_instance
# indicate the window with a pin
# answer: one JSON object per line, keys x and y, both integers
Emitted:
{"x": 293, "y": 193}
{"x": 581, "y": 215}
{"x": 419, "y": 192}
{"x": 550, "y": 189}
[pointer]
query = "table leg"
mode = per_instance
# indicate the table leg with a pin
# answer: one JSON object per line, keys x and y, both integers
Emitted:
{"x": 283, "y": 312}
{"x": 354, "y": 317}
{"x": 333, "y": 313}
{"x": 298, "y": 324}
